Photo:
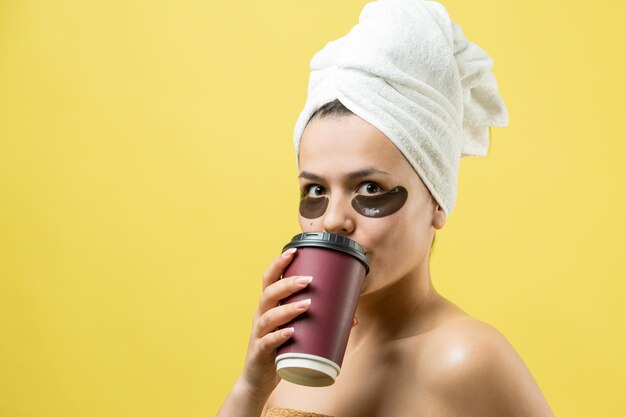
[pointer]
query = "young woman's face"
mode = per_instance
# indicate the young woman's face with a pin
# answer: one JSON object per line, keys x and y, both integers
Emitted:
{"x": 356, "y": 183}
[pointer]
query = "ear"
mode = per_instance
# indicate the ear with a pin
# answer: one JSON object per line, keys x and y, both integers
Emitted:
{"x": 439, "y": 217}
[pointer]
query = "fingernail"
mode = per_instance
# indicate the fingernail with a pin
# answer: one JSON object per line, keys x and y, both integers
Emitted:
{"x": 303, "y": 304}
{"x": 288, "y": 331}
{"x": 289, "y": 251}
{"x": 304, "y": 280}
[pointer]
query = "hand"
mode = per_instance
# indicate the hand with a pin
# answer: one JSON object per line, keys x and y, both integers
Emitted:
{"x": 259, "y": 376}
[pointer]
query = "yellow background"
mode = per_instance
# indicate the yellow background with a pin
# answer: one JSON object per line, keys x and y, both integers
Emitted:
{"x": 147, "y": 178}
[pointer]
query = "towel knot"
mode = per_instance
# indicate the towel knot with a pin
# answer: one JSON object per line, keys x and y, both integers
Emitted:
{"x": 482, "y": 105}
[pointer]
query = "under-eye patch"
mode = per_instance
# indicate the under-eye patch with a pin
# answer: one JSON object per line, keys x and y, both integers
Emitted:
{"x": 380, "y": 205}
{"x": 313, "y": 207}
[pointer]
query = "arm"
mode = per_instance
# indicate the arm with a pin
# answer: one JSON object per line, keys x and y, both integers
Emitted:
{"x": 259, "y": 377}
{"x": 243, "y": 402}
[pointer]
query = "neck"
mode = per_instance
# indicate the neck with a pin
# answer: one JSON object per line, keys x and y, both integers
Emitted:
{"x": 398, "y": 310}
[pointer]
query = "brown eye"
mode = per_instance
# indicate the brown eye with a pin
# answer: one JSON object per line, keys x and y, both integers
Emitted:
{"x": 314, "y": 190}
{"x": 369, "y": 188}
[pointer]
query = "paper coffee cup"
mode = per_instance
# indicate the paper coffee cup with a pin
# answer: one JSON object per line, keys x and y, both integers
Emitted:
{"x": 314, "y": 354}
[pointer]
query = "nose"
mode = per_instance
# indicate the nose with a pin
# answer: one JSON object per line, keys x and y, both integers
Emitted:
{"x": 338, "y": 217}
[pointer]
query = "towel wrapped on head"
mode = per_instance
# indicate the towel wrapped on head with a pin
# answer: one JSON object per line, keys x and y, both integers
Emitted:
{"x": 407, "y": 69}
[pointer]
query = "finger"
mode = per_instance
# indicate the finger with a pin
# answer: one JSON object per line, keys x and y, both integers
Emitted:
{"x": 279, "y": 290}
{"x": 277, "y": 266}
{"x": 271, "y": 341}
{"x": 279, "y": 315}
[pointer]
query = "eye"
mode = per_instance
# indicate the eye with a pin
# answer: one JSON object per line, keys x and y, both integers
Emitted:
{"x": 314, "y": 191}
{"x": 369, "y": 188}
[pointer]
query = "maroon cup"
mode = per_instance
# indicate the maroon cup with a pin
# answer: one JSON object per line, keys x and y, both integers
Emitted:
{"x": 314, "y": 354}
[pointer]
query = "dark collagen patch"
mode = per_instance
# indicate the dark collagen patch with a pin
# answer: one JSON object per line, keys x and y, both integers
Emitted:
{"x": 382, "y": 204}
{"x": 312, "y": 208}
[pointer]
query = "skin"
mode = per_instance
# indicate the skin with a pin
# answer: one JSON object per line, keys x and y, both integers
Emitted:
{"x": 413, "y": 353}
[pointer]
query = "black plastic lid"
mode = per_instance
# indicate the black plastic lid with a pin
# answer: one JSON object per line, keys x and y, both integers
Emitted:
{"x": 329, "y": 241}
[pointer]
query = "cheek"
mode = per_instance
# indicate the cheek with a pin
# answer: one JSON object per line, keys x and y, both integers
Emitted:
{"x": 383, "y": 244}
{"x": 309, "y": 225}
{"x": 393, "y": 253}
{"x": 376, "y": 234}
{"x": 399, "y": 235}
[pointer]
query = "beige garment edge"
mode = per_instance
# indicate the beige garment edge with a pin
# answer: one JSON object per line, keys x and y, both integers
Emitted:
{"x": 287, "y": 412}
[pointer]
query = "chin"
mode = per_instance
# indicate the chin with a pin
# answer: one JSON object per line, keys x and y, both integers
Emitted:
{"x": 369, "y": 284}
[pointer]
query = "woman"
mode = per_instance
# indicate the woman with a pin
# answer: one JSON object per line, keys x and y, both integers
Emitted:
{"x": 376, "y": 122}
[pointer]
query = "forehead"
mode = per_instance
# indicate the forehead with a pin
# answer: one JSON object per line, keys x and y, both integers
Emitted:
{"x": 347, "y": 143}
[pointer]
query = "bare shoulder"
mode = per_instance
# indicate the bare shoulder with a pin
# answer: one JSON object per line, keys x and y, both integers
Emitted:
{"x": 472, "y": 369}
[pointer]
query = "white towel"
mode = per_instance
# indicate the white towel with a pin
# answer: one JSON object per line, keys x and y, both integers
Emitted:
{"x": 407, "y": 69}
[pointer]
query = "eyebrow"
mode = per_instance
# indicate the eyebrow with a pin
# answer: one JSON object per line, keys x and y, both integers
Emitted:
{"x": 349, "y": 176}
